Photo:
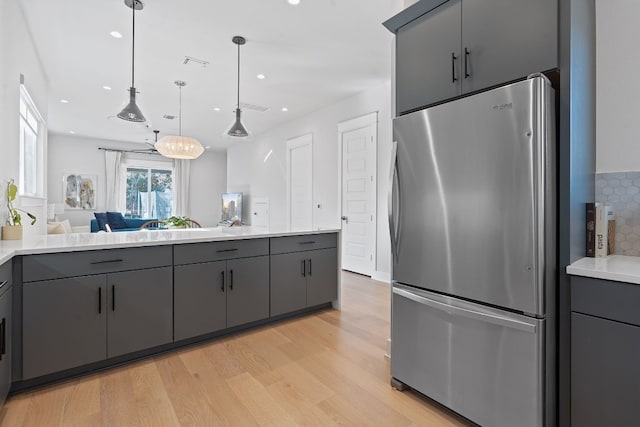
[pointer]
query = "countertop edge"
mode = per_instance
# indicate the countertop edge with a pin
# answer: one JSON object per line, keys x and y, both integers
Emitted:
{"x": 47, "y": 245}
{"x": 618, "y": 268}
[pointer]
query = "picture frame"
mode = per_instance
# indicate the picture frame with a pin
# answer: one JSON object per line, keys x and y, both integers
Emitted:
{"x": 79, "y": 191}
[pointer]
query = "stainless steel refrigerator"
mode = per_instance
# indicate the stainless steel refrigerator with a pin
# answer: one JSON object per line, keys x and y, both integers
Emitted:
{"x": 472, "y": 218}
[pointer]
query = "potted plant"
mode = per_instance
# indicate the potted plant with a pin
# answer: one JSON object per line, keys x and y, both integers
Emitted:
{"x": 13, "y": 229}
{"x": 176, "y": 222}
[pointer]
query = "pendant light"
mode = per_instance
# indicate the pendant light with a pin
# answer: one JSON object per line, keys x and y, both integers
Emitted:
{"x": 131, "y": 112}
{"x": 238, "y": 130}
{"x": 178, "y": 146}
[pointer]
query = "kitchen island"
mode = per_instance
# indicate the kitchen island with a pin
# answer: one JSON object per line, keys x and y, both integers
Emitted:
{"x": 88, "y": 301}
{"x": 605, "y": 340}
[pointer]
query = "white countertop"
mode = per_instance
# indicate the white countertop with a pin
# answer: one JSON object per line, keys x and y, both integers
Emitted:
{"x": 125, "y": 239}
{"x": 620, "y": 268}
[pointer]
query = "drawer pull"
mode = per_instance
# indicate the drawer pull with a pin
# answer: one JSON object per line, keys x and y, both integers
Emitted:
{"x": 310, "y": 242}
{"x": 227, "y": 250}
{"x": 106, "y": 261}
{"x": 3, "y": 283}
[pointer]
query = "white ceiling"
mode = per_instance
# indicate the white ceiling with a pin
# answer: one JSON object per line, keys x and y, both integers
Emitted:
{"x": 313, "y": 55}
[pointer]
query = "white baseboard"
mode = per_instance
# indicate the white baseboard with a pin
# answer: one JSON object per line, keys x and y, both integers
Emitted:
{"x": 381, "y": 276}
{"x": 388, "y": 353}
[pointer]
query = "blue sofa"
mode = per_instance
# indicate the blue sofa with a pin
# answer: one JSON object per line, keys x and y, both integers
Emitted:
{"x": 132, "y": 224}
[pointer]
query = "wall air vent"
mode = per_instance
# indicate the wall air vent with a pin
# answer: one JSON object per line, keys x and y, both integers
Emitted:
{"x": 246, "y": 106}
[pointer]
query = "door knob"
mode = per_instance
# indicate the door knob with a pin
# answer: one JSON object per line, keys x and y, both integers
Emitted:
{"x": 344, "y": 218}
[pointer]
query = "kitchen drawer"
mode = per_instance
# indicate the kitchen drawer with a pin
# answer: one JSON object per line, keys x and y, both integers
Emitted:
{"x": 281, "y": 245}
{"x": 5, "y": 276}
{"x": 71, "y": 264}
{"x": 192, "y": 253}
{"x": 604, "y": 298}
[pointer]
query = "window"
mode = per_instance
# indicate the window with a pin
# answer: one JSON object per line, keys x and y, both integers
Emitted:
{"x": 149, "y": 190}
{"x": 31, "y": 147}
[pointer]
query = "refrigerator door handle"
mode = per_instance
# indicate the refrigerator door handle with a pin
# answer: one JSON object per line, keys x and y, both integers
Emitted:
{"x": 466, "y": 312}
{"x": 393, "y": 229}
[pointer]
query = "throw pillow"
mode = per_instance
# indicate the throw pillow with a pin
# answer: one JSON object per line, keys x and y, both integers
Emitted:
{"x": 67, "y": 226}
{"x": 116, "y": 220}
{"x": 101, "y": 219}
{"x": 55, "y": 228}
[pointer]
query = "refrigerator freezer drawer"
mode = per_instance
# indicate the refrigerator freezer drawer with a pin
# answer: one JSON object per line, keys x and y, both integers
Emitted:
{"x": 484, "y": 363}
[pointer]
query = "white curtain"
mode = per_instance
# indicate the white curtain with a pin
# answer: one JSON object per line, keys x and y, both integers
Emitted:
{"x": 113, "y": 181}
{"x": 182, "y": 174}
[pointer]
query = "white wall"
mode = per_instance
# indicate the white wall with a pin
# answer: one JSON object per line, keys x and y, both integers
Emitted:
{"x": 76, "y": 154}
{"x": 248, "y": 172}
{"x": 18, "y": 55}
{"x": 617, "y": 86}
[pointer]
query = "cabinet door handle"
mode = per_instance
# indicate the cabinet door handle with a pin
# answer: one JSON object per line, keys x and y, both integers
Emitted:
{"x": 100, "y": 300}
{"x": 466, "y": 63}
{"x": 231, "y": 279}
{"x": 303, "y": 264}
{"x": 453, "y": 67}
{"x": 113, "y": 297}
{"x": 106, "y": 261}
{"x": 3, "y": 337}
{"x": 222, "y": 286}
{"x": 309, "y": 266}
{"x": 310, "y": 242}
{"x": 3, "y": 283}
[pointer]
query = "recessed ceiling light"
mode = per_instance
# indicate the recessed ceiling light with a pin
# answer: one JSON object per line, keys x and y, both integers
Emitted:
{"x": 294, "y": 2}
{"x": 64, "y": 101}
{"x": 216, "y": 109}
{"x": 116, "y": 34}
{"x": 106, "y": 87}
{"x": 285, "y": 109}
{"x": 72, "y": 131}
{"x": 261, "y": 76}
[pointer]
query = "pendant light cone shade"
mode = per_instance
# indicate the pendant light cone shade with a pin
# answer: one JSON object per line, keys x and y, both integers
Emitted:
{"x": 131, "y": 112}
{"x": 178, "y": 146}
{"x": 237, "y": 129}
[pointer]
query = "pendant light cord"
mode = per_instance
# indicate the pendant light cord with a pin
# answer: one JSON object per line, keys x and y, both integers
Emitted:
{"x": 180, "y": 111}
{"x": 238, "y": 105}
{"x": 133, "y": 48}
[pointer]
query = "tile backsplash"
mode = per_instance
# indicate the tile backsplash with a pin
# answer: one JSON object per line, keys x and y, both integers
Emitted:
{"x": 621, "y": 191}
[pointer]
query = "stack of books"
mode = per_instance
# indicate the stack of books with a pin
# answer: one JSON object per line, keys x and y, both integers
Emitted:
{"x": 601, "y": 230}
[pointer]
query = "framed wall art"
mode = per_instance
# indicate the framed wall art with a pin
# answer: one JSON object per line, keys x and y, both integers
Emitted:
{"x": 79, "y": 191}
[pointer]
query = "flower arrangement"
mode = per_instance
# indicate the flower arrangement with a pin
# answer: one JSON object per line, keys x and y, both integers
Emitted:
{"x": 14, "y": 213}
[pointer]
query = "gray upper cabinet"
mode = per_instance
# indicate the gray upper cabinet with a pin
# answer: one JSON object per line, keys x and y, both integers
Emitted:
{"x": 248, "y": 295}
{"x": 200, "y": 300}
{"x": 64, "y": 324}
{"x": 507, "y": 40}
{"x": 140, "y": 310}
{"x": 463, "y": 46}
{"x": 428, "y": 58}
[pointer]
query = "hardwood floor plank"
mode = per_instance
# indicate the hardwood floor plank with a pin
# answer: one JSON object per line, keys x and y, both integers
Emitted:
{"x": 117, "y": 400}
{"x": 47, "y": 406}
{"x": 261, "y": 405}
{"x": 83, "y": 404}
{"x": 297, "y": 404}
{"x": 152, "y": 401}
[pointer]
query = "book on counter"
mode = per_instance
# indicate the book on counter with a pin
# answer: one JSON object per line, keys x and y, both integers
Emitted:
{"x": 591, "y": 229}
{"x": 604, "y": 230}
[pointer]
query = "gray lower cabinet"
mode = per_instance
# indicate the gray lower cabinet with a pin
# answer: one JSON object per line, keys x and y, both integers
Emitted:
{"x": 303, "y": 279}
{"x": 5, "y": 330}
{"x": 140, "y": 312}
{"x": 212, "y": 296}
{"x": 605, "y": 350}
{"x": 79, "y": 320}
{"x": 64, "y": 324}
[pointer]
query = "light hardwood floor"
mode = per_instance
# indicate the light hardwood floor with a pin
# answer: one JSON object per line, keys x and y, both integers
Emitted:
{"x": 322, "y": 369}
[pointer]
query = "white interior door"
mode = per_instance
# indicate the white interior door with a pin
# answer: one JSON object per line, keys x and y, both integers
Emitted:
{"x": 260, "y": 212}
{"x": 300, "y": 182}
{"x": 359, "y": 197}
